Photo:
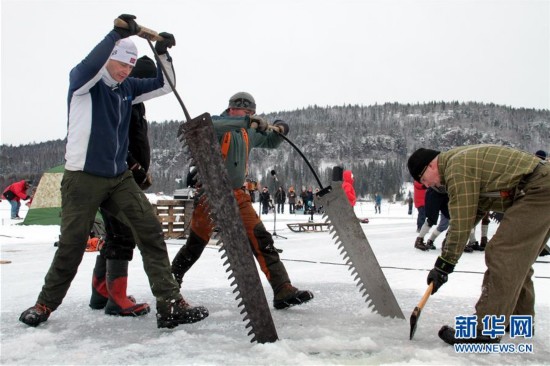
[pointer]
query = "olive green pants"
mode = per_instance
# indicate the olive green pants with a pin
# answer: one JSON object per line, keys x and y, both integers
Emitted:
{"x": 82, "y": 194}
{"x": 507, "y": 285}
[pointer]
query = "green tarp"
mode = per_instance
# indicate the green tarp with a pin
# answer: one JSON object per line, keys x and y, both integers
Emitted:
{"x": 46, "y": 203}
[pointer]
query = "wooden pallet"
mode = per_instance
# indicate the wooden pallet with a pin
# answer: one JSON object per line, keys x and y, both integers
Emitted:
{"x": 308, "y": 226}
{"x": 175, "y": 217}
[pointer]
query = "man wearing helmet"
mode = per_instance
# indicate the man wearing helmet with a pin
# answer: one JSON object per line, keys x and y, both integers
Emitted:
{"x": 239, "y": 130}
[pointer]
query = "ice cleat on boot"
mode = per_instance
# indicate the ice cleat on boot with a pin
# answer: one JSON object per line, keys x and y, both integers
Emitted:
{"x": 117, "y": 281}
{"x": 430, "y": 244}
{"x": 35, "y": 315}
{"x": 419, "y": 244}
{"x": 289, "y": 296}
{"x": 171, "y": 313}
{"x": 447, "y": 334}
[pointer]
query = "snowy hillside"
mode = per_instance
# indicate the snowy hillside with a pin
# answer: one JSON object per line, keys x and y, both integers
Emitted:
{"x": 335, "y": 328}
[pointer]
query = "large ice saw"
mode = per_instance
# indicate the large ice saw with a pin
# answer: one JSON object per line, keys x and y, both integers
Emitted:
{"x": 356, "y": 249}
{"x": 198, "y": 134}
{"x": 352, "y": 241}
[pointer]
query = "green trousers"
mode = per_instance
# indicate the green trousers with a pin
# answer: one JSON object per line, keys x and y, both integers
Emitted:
{"x": 507, "y": 285}
{"x": 82, "y": 194}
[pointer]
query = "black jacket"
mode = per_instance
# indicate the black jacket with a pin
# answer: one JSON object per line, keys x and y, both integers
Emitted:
{"x": 139, "y": 149}
{"x": 264, "y": 198}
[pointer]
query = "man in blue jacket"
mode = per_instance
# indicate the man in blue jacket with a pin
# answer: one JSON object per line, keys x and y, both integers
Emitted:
{"x": 96, "y": 174}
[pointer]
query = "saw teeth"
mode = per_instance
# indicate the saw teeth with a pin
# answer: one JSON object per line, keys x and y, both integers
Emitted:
{"x": 199, "y": 135}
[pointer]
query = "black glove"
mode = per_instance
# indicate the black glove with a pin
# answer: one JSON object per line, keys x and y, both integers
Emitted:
{"x": 258, "y": 123}
{"x": 283, "y": 126}
{"x": 168, "y": 42}
{"x": 140, "y": 175}
{"x": 133, "y": 27}
{"x": 439, "y": 274}
{"x": 148, "y": 182}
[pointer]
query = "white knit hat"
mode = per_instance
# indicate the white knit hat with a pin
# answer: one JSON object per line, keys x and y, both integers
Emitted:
{"x": 125, "y": 51}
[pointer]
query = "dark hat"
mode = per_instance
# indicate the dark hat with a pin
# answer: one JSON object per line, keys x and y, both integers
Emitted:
{"x": 541, "y": 154}
{"x": 145, "y": 68}
{"x": 419, "y": 161}
{"x": 29, "y": 181}
{"x": 242, "y": 100}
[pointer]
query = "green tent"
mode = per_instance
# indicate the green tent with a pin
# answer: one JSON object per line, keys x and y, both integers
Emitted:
{"x": 46, "y": 203}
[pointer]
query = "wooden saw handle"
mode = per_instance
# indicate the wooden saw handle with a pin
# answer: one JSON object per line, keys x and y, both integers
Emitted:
{"x": 144, "y": 32}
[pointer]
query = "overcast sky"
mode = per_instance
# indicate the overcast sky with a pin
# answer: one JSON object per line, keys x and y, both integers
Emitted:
{"x": 288, "y": 53}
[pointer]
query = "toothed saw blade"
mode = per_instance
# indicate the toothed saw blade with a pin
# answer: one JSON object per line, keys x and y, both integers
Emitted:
{"x": 357, "y": 252}
{"x": 201, "y": 140}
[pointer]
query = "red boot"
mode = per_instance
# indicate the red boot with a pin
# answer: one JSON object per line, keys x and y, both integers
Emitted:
{"x": 99, "y": 297}
{"x": 117, "y": 280}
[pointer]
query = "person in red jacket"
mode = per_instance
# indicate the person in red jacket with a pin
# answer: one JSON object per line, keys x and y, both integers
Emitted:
{"x": 14, "y": 194}
{"x": 419, "y": 202}
{"x": 347, "y": 186}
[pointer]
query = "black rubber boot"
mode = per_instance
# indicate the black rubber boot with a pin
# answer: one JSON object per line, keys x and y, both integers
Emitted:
{"x": 187, "y": 256}
{"x": 117, "y": 280}
{"x": 99, "y": 297}
{"x": 447, "y": 334}
{"x": 469, "y": 248}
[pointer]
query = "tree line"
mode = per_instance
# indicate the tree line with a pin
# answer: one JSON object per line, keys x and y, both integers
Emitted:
{"x": 373, "y": 141}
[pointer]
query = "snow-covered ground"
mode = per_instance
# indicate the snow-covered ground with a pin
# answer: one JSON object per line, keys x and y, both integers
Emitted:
{"x": 335, "y": 328}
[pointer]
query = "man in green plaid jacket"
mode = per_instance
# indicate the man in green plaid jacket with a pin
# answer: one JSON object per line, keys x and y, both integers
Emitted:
{"x": 483, "y": 178}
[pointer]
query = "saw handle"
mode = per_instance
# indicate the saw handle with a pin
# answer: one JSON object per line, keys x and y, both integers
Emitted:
{"x": 274, "y": 129}
{"x": 144, "y": 32}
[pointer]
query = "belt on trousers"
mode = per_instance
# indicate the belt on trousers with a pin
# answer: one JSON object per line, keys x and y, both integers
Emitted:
{"x": 499, "y": 194}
